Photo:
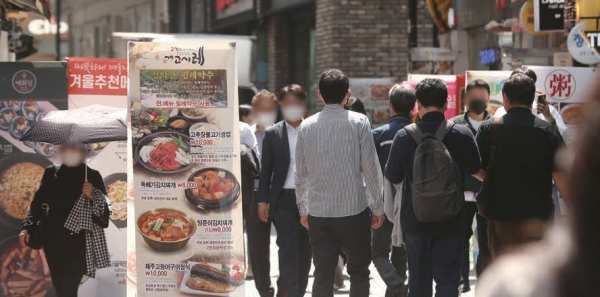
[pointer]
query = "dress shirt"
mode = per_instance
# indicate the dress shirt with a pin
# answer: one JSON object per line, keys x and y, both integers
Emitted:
{"x": 260, "y": 136}
{"x": 334, "y": 153}
{"x": 292, "y": 134}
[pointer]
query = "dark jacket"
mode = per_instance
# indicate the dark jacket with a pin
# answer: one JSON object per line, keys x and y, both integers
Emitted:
{"x": 471, "y": 183}
{"x": 275, "y": 161}
{"x": 384, "y": 136}
{"x": 250, "y": 169}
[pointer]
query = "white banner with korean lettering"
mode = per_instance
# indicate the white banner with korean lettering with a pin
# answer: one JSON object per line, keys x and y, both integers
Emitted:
{"x": 185, "y": 142}
{"x": 568, "y": 88}
{"x": 104, "y": 81}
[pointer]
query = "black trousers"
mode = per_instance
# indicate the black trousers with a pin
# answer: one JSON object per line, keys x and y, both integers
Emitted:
{"x": 352, "y": 234}
{"x": 295, "y": 254}
{"x": 482, "y": 241}
{"x": 66, "y": 260}
{"x": 392, "y": 270}
{"x": 259, "y": 243}
{"x": 433, "y": 258}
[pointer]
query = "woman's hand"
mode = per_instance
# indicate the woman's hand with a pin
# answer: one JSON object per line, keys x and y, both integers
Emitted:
{"x": 87, "y": 190}
{"x": 24, "y": 239}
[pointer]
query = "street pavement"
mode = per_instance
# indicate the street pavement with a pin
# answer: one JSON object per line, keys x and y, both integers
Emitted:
{"x": 377, "y": 284}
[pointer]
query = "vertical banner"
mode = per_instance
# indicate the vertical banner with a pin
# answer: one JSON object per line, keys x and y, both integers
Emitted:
{"x": 28, "y": 91}
{"x": 568, "y": 88}
{"x": 104, "y": 82}
{"x": 496, "y": 80}
{"x": 375, "y": 95}
{"x": 453, "y": 107}
{"x": 185, "y": 141}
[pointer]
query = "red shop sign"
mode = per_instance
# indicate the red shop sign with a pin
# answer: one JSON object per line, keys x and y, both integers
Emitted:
{"x": 222, "y": 4}
{"x": 97, "y": 76}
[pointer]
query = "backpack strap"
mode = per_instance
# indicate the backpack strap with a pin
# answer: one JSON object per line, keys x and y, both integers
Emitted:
{"x": 415, "y": 133}
{"x": 443, "y": 129}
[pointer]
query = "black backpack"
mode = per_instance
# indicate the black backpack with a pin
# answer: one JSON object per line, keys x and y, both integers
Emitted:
{"x": 437, "y": 185}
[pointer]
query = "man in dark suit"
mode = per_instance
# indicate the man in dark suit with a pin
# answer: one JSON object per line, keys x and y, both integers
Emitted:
{"x": 277, "y": 195}
{"x": 402, "y": 102}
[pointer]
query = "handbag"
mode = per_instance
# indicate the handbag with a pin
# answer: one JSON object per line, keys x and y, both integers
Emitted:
{"x": 36, "y": 237}
{"x": 485, "y": 195}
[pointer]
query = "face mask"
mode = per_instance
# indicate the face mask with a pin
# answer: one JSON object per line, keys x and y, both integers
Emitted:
{"x": 72, "y": 158}
{"x": 477, "y": 106}
{"x": 266, "y": 119}
{"x": 293, "y": 113}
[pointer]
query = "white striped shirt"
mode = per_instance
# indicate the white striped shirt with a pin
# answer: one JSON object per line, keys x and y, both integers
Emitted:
{"x": 334, "y": 153}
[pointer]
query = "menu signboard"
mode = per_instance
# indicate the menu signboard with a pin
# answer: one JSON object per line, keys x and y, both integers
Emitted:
{"x": 186, "y": 177}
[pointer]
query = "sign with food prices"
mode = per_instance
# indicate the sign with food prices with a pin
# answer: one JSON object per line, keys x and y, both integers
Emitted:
{"x": 24, "y": 271}
{"x": 375, "y": 95}
{"x": 104, "y": 81}
{"x": 496, "y": 80}
{"x": 185, "y": 142}
{"x": 453, "y": 107}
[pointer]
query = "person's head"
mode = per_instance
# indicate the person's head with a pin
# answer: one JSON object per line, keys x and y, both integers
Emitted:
{"x": 264, "y": 108}
{"x": 477, "y": 96}
{"x": 333, "y": 87}
{"x": 293, "y": 103}
{"x": 518, "y": 91}
{"x": 432, "y": 95}
{"x": 246, "y": 114}
{"x": 72, "y": 154}
{"x": 356, "y": 105}
{"x": 402, "y": 99}
{"x": 527, "y": 71}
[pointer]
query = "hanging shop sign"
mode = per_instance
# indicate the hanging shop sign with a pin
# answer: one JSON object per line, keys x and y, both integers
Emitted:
{"x": 527, "y": 17}
{"x": 104, "y": 82}
{"x": 549, "y": 15}
{"x": 593, "y": 38}
{"x": 185, "y": 141}
{"x": 453, "y": 106}
{"x": 490, "y": 56}
{"x": 28, "y": 92}
{"x": 227, "y": 8}
{"x": 570, "y": 15}
{"x": 580, "y": 48}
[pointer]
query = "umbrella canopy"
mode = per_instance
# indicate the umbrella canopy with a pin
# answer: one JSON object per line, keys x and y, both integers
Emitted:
{"x": 90, "y": 124}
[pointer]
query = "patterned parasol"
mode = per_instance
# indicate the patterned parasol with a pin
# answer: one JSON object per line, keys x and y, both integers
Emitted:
{"x": 90, "y": 124}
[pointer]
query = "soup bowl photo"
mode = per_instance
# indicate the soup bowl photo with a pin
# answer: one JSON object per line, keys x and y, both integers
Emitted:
{"x": 217, "y": 197}
{"x": 163, "y": 245}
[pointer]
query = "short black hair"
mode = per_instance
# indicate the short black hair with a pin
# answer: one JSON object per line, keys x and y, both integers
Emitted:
{"x": 403, "y": 98}
{"x": 245, "y": 110}
{"x": 333, "y": 85}
{"x": 519, "y": 89}
{"x": 478, "y": 83}
{"x": 293, "y": 89}
{"x": 432, "y": 92}
{"x": 527, "y": 71}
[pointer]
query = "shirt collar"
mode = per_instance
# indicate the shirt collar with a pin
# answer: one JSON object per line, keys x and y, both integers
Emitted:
{"x": 434, "y": 116}
{"x": 519, "y": 110}
{"x": 399, "y": 118}
{"x": 333, "y": 107}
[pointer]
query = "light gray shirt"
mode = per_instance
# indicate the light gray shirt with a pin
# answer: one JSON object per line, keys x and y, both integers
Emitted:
{"x": 334, "y": 153}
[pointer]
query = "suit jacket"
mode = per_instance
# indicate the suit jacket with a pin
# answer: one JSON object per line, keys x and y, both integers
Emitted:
{"x": 275, "y": 161}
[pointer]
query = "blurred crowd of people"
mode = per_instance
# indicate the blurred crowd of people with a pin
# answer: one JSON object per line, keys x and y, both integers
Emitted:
{"x": 405, "y": 195}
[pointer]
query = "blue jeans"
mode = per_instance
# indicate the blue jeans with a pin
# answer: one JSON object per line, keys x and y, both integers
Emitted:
{"x": 434, "y": 258}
